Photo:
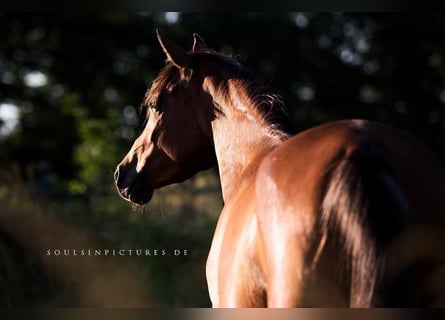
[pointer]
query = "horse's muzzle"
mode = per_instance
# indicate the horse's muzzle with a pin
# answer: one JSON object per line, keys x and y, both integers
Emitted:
{"x": 129, "y": 189}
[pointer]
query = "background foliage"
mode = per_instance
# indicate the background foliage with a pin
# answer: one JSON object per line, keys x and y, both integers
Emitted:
{"x": 70, "y": 89}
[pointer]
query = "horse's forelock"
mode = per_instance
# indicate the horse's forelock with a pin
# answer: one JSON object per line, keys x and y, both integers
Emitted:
{"x": 152, "y": 95}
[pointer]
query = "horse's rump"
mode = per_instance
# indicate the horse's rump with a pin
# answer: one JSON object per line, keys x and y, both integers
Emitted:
{"x": 338, "y": 194}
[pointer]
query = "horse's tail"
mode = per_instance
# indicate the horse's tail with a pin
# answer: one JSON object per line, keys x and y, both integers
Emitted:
{"x": 364, "y": 207}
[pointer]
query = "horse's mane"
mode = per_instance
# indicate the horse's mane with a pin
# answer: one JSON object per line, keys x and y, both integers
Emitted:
{"x": 265, "y": 100}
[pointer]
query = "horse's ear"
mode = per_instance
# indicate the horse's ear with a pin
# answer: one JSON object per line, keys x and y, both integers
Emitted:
{"x": 175, "y": 53}
{"x": 198, "y": 43}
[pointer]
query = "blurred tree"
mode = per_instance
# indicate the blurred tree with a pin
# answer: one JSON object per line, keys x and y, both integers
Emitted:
{"x": 384, "y": 67}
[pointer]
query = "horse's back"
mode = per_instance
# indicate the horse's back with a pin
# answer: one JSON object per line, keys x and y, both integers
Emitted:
{"x": 311, "y": 153}
{"x": 402, "y": 197}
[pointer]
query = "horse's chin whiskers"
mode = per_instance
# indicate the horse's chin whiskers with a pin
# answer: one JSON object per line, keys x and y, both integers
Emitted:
{"x": 142, "y": 208}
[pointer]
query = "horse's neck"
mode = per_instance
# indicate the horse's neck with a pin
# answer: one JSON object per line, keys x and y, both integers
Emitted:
{"x": 240, "y": 136}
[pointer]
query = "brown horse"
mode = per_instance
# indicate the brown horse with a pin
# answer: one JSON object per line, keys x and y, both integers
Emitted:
{"x": 350, "y": 213}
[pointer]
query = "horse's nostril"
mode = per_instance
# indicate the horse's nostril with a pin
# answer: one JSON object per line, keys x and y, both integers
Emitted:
{"x": 116, "y": 175}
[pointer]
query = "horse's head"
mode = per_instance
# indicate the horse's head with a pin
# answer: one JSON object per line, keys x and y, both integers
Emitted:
{"x": 176, "y": 142}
